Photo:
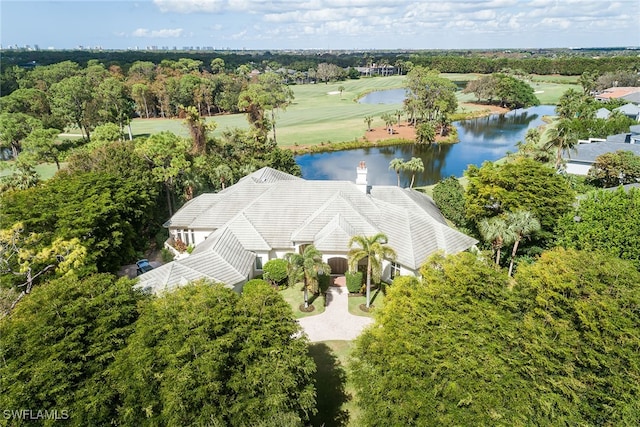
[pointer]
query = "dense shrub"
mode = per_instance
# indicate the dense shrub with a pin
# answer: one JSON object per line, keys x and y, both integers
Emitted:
{"x": 253, "y": 283}
{"x": 354, "y": 281}
{"x": 275, "y": 271}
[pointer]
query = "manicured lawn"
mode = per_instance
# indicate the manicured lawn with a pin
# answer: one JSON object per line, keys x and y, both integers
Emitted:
{"x": 44, "y": 170}
{"x": 377, "y": 301}
{"x": 294, "y": 296}
{"x": 319, "y": 113}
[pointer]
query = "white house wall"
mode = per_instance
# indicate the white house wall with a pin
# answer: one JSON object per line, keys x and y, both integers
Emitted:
{"x": 578, "y": 168}
{"x": 195, "y": 236}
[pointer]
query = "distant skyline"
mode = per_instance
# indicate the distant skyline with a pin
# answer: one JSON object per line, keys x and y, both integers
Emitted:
{"x": 320, "y": 24}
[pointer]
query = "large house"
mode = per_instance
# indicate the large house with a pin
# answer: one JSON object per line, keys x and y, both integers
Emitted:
{"x": 270, "y": 213}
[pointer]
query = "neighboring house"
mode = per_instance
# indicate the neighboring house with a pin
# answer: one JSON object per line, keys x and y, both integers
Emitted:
{"x": 584, "y": 155}
{"x": 602, "y": 113}
{"x": 617, "y": 92}
{"x": 270, "y": 213}
{"x": 630, "y": 110}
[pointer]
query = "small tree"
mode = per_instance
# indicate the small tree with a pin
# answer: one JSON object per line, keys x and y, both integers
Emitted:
{"x": 414, "y": 165}
{"x": 306, "y": 267}
{"x": 496, "y": 231}
{"x": 275, "y": 271}
{"x": 425, "y": 133}
{"x": 613, "y": 169}
{"x": 521, "y": 224}
{"x": 389, "y": 120}
{"x": 368, "y": 120}
{"x": 375, "y": 249}
{"x": 448, "y": 195}
{"x": 397, "y": 165}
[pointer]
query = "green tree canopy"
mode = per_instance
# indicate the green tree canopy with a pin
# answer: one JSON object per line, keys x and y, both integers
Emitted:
{"x": 521, "y": 184}
{"x": 607, "y": 221}
{"x": 467, "y": 346}
{"x": 448, "y": 195}
{"x": 109, "y": 214}
{"x": 613, "y": 169}
{"x": 204, "y": 355}
{"x": 58, "y": 345}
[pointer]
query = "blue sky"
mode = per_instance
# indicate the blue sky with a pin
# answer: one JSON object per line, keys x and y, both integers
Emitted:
{"x": 320, "y": 24}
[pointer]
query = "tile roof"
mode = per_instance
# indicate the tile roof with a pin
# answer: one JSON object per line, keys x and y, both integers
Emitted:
{"x": 587, "y": 153}
{"x": 220, "y": 258}
{"x": 617, "y": 92}
{"x": 269, "y": 210}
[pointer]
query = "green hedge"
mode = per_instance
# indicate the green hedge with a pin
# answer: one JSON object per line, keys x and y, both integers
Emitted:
{"x": 354, "y": 282}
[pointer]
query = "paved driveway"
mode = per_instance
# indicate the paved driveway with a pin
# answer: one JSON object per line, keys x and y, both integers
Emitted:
{"x": 336, "y": 323}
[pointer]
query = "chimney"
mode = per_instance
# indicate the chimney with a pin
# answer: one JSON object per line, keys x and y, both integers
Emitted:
{"x": 361, "y": 178}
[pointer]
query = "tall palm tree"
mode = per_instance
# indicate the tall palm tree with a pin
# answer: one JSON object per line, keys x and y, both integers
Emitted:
{"x": 306, "y": 267}
{"x": 522, "y": 224}
{"x": 561, "y": 138}
{"x": 397, "y": 165}
{"x": 375, "y": 249}
{"x": 496, "y": 231}
{"x": 414, "y": 165}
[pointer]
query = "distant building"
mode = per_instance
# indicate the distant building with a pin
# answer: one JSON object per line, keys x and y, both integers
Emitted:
{"x": 617, "y": 92}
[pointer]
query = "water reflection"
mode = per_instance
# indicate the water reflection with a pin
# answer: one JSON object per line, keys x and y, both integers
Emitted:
{"x": 487, "y": 138}
{"x": 389, "y": 96}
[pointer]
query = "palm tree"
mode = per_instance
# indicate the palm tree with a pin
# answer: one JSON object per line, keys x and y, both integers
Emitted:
{"x": 368, "y": 120}
{"x": 305, "y": 267}
{"x": 414, "y": 165}
{"x": 496, "y": 231}
{"x": 375, "y": 249}
{"x": 561, "y": 138}
{"x": 398, "y": 114}
{"x": 521, "y": 224}
{"x": 389, "y": 120}
{"x": 223, "y": 173}
{"x": 397, "y": 165}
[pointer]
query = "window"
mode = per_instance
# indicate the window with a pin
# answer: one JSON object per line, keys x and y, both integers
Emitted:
{"x": 395, "y": 270}
{"x": 193, "y": 237}
{"x": 258, "y": 262}
{"x": 186, "y": 237}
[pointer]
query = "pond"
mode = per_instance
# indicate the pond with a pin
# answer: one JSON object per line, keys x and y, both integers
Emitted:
{"x": 485, "y": 138}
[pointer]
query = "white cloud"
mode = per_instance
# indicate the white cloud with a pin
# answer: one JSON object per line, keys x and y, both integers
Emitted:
{"x": 407, "y": 19}
{"x": 164, "y": 33}
{"x": 191, "y": 6}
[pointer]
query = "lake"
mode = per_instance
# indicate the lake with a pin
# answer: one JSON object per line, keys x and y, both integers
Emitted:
{"x": 485, "y": 138}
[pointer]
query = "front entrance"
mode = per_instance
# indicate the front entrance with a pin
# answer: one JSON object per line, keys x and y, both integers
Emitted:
{"x": 338, "y": 265}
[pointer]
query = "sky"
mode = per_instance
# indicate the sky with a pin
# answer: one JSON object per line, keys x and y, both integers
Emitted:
{"x": 320, "y": 24}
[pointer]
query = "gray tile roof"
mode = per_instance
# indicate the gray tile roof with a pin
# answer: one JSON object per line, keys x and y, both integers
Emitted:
{"x": 220, "y": 258}
{"x": 628, "y": 109}
{"x": 602, "y": 113}
{"x": 633, "y": 97}
{"x": 587, "y": 153}
{"x": 269, "y": 209}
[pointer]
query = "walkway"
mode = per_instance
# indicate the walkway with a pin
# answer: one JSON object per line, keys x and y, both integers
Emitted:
{"x": 336, "y": 323}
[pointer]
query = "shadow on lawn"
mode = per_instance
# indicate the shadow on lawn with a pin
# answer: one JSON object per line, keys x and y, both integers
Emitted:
{"x": 330, "y": 379}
